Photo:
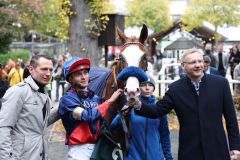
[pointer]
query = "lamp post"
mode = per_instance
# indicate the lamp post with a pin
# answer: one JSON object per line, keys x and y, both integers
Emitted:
{"x": 33, "y": 37}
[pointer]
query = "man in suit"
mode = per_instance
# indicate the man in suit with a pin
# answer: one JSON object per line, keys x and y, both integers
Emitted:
{"x": 208, "y": 52}
{"x": 199, "y": 101}
{"x": 221, "y": 60}
{"x": 207, "y": 68}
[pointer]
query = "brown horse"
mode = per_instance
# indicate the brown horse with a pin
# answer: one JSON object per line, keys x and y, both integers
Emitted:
{"x": 132, "y": 54}
{"x": 131, "y": 46}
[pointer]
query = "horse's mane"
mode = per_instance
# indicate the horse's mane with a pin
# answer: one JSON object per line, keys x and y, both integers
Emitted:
{"x": 114, "y": 63}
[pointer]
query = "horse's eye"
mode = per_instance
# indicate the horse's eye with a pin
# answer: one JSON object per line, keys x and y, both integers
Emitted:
{"x": 144, "y": 57}
{"x": 122, "y": 57}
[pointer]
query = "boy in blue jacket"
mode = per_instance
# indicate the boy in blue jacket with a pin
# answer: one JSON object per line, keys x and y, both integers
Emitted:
{"x": 150, "y": 138}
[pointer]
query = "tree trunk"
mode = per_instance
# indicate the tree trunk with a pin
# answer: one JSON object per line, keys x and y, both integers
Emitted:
{"x": 80, "y": 43}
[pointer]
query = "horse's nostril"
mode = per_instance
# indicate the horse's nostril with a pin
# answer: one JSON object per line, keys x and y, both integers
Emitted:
{"x": 138, "y": 90}
{"x": 125, "y": 91}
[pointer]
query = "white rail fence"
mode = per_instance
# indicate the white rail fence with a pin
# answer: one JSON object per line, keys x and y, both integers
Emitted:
{"x": 162, "y": 85}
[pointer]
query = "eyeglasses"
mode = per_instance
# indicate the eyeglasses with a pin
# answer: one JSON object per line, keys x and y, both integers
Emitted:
{"x": 194, "y": 62}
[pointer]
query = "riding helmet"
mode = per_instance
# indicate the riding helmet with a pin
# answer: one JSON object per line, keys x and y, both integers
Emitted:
{"x": 75, "y": 64}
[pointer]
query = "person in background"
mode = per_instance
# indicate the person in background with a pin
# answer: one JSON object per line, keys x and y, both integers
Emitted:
{"x": 26, "y": 72}
{"x": 234, "y": 59}
{"x": 158, "y": 60}
{"x": 207, "y": 68}
{"x": 25, "y": 113}
{"x": 4, "y": 83}
{"x": 81, "y": 111}
{"x": 150, "y": 138}
{"x": 49, "y": 87}
{"x": 58, "y": 76}
{"x": 9, "y": 66}
{"x": 16, "y": 74}
{"x": 221, "y": 60}
{"x": 236, "y": 76}
{"x": 208, "y": 52}
{"x": 200, "y": 102}
{"x": 181, "y": 72}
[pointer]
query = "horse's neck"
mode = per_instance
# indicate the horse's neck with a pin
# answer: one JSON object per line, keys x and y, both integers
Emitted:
{"x": 112, "y": 85}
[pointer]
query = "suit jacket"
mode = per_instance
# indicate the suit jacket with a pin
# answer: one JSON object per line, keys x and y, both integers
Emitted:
{"x": 201, "y": 135}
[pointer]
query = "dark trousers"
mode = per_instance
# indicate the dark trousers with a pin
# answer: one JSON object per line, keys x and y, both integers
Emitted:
{"x": 222, "y": 73}
{"x": 0, "y": 103}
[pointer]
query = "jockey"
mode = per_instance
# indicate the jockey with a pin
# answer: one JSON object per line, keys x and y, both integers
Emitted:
{"x": 80, "y": 110}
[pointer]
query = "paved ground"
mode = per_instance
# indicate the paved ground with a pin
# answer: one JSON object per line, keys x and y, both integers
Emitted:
{"x": 58, "y": 151}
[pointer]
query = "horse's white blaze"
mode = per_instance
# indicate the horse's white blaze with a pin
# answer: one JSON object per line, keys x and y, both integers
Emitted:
{"x": 132, "y": 85}
{"x": 133, "y": 55}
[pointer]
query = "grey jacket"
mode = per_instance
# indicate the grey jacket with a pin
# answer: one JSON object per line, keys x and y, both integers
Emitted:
{"x": 224, "y": 59}
{"x": 22, "y": 127}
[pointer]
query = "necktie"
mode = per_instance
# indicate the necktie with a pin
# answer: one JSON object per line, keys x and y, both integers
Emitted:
{"x": 197, "y": 88}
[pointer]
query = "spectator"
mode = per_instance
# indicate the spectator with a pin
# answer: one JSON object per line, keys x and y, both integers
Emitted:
{"x": 208, "y": 52}
{"x": 171, "y": 71}
{"x": 158, "y": 60}
{"x": 26, "y": 72}
{"x": 234, "y": 59}
{"x": 181, "y": 72}
{"x": 236, "y": 76}
{"x": 221, "y": 60}
{"x": 16, "y": 74}
{"x": 207, "y": 68}
{"x": 58, "y": 76}
{"x": 4, "y": 83}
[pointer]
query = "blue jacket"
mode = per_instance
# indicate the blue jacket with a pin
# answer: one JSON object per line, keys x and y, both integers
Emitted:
{"x": 84, "y": 130}
{"x": 214, "y": 71}
{"x": 150, "y": 138}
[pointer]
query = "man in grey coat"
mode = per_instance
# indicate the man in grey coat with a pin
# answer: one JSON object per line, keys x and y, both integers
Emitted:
{"x": 221, "y": 60}
{"x": 25, "y": 113}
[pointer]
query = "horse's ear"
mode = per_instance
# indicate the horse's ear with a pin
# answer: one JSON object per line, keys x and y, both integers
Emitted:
{"x": 121, "y": 35}
{"x": 144, "y": 34}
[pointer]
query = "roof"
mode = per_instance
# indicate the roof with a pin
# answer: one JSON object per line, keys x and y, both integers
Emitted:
{"x": 184, "y": 43}
{"x": 203, "y": 32}
{"x": 161, "y": 35}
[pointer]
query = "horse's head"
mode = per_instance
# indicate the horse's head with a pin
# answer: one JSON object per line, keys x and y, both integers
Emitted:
{"x": 133, "y": 54}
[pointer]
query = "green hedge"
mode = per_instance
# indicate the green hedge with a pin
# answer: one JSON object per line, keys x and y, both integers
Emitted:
{"x": 14, "y": 55}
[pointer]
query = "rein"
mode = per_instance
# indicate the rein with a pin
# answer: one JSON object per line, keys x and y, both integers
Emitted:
{"x": 114, "y": 77}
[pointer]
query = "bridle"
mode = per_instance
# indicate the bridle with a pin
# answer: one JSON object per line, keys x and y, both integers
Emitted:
{"x": 121, "y": 61}
{"x": 139, "y": 44}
